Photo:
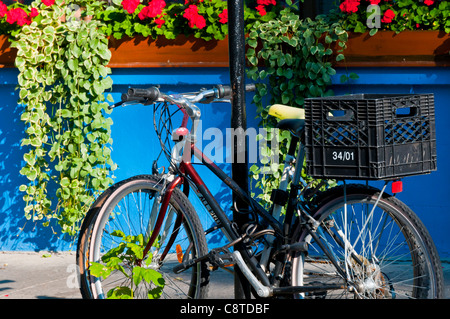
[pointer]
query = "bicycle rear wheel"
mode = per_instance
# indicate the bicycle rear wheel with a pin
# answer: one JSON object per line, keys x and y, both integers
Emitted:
{"x": 380, "y": 249}
{"x": 128, "y": 208}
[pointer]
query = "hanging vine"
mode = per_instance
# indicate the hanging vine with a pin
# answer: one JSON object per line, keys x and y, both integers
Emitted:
{"x": 63, "y": 76}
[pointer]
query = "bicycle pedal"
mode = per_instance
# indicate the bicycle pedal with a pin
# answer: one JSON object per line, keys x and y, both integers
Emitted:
{"x": 220, "y": 258}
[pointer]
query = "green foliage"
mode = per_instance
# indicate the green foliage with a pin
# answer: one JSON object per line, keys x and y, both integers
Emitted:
{"x": 61, "y": 88}
{"x": 292, "y": 60}
{"x": 126, "y": 259}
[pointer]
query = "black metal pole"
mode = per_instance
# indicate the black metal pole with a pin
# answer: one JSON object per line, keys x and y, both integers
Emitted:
{"x": 236, "y": 44}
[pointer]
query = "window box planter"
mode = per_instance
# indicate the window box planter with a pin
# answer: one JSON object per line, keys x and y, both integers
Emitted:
{"x": 388, "y": 49}
{"x": 384, "y": 49}
{"x": 141, "y": 52}
{"x": 7, "y": 54}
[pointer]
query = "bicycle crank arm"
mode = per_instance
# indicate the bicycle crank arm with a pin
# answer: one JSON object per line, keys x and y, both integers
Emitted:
{"x": 261, "y": 290}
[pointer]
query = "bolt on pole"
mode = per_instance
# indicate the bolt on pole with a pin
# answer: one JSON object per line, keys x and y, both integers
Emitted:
{"x": 236, "y": 45}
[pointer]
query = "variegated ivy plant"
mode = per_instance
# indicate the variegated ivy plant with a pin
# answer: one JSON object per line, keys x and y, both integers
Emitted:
{"x": 63, "y": 77}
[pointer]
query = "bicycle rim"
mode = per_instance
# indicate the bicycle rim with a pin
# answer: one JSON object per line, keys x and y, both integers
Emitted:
{"x": 130, "y": 209}
{"x": 384, "y": 251}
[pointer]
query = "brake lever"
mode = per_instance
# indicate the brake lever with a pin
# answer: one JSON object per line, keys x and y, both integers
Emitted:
{"x": 113, "y": 106}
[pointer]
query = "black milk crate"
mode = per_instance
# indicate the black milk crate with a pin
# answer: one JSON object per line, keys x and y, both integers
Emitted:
{"x": 370, "y": 136}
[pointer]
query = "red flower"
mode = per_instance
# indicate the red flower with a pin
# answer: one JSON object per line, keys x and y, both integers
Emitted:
{"x": 130, "y": 5}
{"x": 194, "y": 19}
{"x": 154, "y": 9}
{"x": 428, "y": 2}
{"x": 48, "y": 3}
{"x": 261, "y": 6}
{"x": 19, "y": 16}
{"x": 34, "y": 13}
{"x": 159, "y": 22}
{"x": 200, "y": 22}
{"x": 3, "y": 9}
{"x": 374, "y": 2}
{"x": 261, "y": 10}
{"x": 349, "y": 6}
{"x": 266, "y": 2}
{"x": 388, "y": 16}
{"x": 223, "y": 16}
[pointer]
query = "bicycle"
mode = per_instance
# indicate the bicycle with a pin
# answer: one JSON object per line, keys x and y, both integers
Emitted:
{"x": 349, "y": 241}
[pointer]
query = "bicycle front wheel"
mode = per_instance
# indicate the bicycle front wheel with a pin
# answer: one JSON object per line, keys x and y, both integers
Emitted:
{"x": 377, "y": 249}
{"x": 130, "y": 211}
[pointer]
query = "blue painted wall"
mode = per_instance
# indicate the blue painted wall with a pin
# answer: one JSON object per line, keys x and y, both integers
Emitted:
{"x": 135, "y": 144}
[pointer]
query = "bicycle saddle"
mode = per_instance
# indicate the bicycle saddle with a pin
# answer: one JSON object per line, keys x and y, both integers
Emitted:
{"x": 286, "y": 112}
{"x": 292, "y": 118}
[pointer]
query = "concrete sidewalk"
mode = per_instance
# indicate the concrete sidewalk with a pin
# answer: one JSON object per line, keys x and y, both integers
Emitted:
{"x": 42, "y": 275}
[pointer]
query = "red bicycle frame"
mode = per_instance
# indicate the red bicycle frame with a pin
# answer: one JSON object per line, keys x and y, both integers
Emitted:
{"x": 187, "y": 171}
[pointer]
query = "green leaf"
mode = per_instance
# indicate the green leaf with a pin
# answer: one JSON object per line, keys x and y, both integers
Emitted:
{"x": 155, "y": 293}
{"x": 137, "y": 275}
{"x": 120, "y": 293}
{"x": 118, "y": 233}
{"x": 73, "y": 64}
{"x": 65, "y": 182}
{"x": 372, "y": 32}
{"x": 253, "y": 43}
{"x": 151, "y": 275}
{"x": 137, "y": 250}
{"x": 99, "y": 270}
{"x": 49, "y": 30}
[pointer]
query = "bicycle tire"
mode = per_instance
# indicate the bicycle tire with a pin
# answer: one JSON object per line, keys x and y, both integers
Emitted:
{"x": 108, "y": 214}
{"x": 390, "y": 254}
{"x": 84, "y": 239}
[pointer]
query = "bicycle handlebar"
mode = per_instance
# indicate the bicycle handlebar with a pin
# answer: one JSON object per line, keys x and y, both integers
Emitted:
{"x": 152, "y": 94}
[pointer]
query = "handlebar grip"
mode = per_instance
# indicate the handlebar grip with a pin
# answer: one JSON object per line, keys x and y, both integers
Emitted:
{"x": 148, "y": 95}
{"x": 127, "y": 97}
{"x": 223, "y": 91}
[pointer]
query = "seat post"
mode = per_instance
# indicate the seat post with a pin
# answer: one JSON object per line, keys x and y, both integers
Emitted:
{"x": 293, "y": 145}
